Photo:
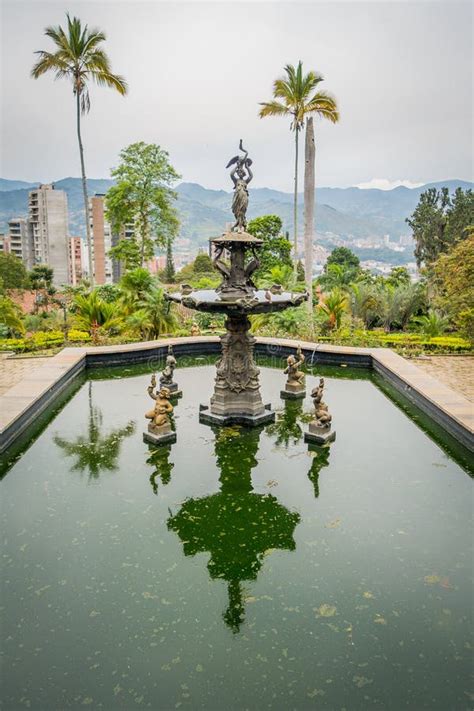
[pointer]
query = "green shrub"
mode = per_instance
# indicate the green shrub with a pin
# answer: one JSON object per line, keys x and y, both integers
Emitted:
{"x": 75, "y": 336}
{"x": 36, "y": 342}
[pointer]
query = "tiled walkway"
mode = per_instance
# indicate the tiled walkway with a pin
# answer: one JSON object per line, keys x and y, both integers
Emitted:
{"x": 12, "y": 370}
{"x": 457, "y": 372}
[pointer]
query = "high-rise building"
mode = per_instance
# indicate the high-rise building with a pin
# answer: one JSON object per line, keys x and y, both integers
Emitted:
{"x": 4, "y": 243}
{"x": 101, "y": 241}
{"x": 75, "y": 260}
{"x": 19, "y": 241}
{"x": 48, "y": 225}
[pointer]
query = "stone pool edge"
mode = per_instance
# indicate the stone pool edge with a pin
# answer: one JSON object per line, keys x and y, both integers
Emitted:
{"x": 25, "y": 401}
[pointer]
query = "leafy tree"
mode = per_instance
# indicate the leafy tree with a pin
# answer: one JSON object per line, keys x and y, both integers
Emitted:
{"x": 127, "y": 251}
{"x": 41, "y": 281}
{"x": 453, "y": 277}
{"x": 439, "y": 221}
{"x": 399, "y": 276}
{"x": 345, "y": 257}
{"x": 203, "y": 263}
{"x": 143, "y": 196}
{"x": 399, "y": 304}
{"x": 80, "y": 58}
{"x": 12, "y": 272}
{"x": 10, "y": 317}
{"x": 169, "y": 268}
{"x": 295, "y": 95}
{"x": 41, "y": 277}
{"x": 276, "y": 249}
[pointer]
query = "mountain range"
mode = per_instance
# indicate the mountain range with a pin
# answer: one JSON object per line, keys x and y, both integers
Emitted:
{"x": 343, "y": 212}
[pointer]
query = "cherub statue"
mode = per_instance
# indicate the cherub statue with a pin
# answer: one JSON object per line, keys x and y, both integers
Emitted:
{"x": 317, "y": 393}
{"x": 166, "y": 377}
{"x": 241, "y": 175}
{"x": 322, "y": 418}
{"x": 295, "y": 376}
{"x": 160, "y": 415}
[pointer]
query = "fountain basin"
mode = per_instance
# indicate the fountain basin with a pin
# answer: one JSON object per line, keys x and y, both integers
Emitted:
{"x": 235, "y": 564}
{"x": 259, "y": 302}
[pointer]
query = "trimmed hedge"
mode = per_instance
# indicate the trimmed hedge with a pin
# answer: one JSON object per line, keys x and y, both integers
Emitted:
{"x": 36, "y": 342}
{"x": 403, "y": 341}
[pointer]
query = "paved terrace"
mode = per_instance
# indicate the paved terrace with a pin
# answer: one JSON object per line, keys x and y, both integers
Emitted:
{"x": 39, "y": 384}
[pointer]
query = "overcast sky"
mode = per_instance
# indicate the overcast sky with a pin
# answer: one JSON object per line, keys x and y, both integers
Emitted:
{"x": 401, "y": 72}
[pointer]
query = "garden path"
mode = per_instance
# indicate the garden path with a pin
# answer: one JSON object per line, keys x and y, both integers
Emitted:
{"x": 457, "y": 372}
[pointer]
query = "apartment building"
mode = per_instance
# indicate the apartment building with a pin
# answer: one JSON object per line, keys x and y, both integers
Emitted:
{"x": 19, "y": 241}
{"x": 4, "y": 243}
{"x": 101, "y": 241}
{"x": 48, "y": 227}
{"x": 75, "y": 260}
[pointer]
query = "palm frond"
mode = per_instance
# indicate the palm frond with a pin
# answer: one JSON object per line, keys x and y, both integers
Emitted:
{"x": 273, "y": 108}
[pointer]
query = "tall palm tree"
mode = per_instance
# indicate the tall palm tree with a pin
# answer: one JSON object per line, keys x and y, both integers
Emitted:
{"x": 79, "y": 58}
{"x": 296, "y": 96}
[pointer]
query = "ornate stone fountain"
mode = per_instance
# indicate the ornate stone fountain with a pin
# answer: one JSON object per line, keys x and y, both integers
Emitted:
{"x": 237, "y": 397}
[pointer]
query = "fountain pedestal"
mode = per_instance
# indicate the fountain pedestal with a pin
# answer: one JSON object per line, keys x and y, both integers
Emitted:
{"x": 237, "y": 398}
{"x": 319, "y": 435}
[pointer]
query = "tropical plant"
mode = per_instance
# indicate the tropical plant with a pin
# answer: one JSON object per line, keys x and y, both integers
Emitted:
{"x": 155, "y": 314}
{"x": 295, "y": 95}
{"x": 365, "y": 303}
{"x": 134, "y": 285}
{"x": 92, "y": 314}
{"x": 333, "y": 307}
{"x": 432, "y": 324}
{"x": 143, "y": 196}
{"x": 282, "y": 275}
{"x": 80, "y": 58}
{"x": 399, "y": 304}
{"x": 10, "y": 317}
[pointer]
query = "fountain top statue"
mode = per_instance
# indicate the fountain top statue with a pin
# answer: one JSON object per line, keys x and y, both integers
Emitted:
{"x": 241, "y": 175}
{"x": 235, "y": 256}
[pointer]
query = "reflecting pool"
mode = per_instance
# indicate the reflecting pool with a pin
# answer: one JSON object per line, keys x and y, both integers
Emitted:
{"x": 236, "y": 569}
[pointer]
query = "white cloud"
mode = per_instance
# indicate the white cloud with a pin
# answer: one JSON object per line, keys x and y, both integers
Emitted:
{"x": 384, "y": 184}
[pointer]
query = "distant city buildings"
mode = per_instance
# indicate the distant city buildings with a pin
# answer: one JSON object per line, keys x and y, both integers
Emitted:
{"x": 20, "y": 241}
{"x": 48, "y": 230}
{"x": 75, "y": 255}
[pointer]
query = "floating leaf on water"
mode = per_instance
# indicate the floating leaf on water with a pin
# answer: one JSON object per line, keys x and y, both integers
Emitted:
{"x": 431, "y": 579}
{"x": 367, "y": 594}
{"x": 361, "y": 681}
{"x": 380, "y": 620}
{"x": 325, "y": 610}
{"x": 334, "y": 524}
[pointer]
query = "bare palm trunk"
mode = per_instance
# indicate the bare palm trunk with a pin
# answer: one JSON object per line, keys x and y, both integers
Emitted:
{"x": 295, "y": 208}
{"x": 309, "y": 151}
{"x": 84, "y": 187}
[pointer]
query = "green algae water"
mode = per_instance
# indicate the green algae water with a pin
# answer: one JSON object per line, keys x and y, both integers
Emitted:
{"x": 235, "y": 569}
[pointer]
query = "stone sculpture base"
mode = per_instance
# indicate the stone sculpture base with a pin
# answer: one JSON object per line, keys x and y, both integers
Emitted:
{"x": 319, "y": 435}
{"x": 175, "y": 392}
{"x": 159, "y": 435}
{"x": 207, "y": 417}
{"x": 293, "y": 391}
{"x": 237, "y": 398}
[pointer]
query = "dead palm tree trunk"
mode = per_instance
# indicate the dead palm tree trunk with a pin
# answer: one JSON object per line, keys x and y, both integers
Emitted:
{"x": 295, "y": 207}
{"x": 309, "y": 209}
{"x": 84, "y": 186}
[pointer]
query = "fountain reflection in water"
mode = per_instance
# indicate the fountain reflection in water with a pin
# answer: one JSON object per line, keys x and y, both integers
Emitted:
{"x": 236, "y": 526}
